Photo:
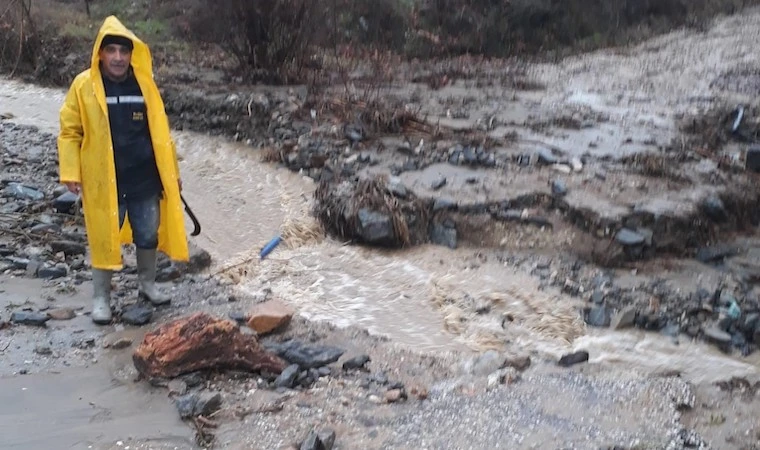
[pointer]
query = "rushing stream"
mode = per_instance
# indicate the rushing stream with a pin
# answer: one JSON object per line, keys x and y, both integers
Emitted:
{"x": 243, "y": 203}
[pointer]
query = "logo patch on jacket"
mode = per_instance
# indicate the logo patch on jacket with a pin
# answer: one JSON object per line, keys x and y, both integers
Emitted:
{"x": 138, "y": 116}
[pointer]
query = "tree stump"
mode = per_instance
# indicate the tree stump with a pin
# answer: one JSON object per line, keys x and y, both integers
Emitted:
{"x": 200, "y": 342}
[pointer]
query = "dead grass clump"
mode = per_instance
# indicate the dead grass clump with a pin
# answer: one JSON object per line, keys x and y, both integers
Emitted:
{"x": 654, "y": 165}
{"x": 516, "y": 312}
{"x": 379, "y": 117}
{"x": 743, "y": 206}
{"x": 302, "y": 231}
{"x": 706, "y": 133}
{"x": 272, "y": 155}
{"x": 339, "y": 202}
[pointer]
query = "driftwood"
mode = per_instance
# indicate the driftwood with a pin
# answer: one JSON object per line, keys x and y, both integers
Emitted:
{"x": 201, "y": 342}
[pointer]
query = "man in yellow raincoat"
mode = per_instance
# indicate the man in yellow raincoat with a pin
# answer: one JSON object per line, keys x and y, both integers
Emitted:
{"x": 116, "y": 150}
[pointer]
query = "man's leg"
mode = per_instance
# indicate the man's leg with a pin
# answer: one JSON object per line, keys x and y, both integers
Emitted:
{"x": 101, "y": 287}
{"x": 144, "y": 216}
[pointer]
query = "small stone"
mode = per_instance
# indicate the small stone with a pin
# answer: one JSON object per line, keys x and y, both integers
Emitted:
{"x": 208, "y": 403}
{"x": 753, "y": 158}
{"x": 502, "y": 376}
{"x": 394, "y": 395}
{"x": 193, "y": 379}
{"x": 576, "y": 164}
{"x": 32, "y": 268}
{"x": 121, "y": 343}
{"x": 357, "y": 362}
{"x": 444, "y": 204}
{"x": 287, "y": 379}
{"x": 269, "y": 316}
{"x": 37, "y": 319}
{"x": 186, "y": 405}
{"x": 597, "y": 297}
{"x": 519, "y": 363}
{"x": 562, "y": 168}
{"x": 487, "y": 363}
{"x": 598, "y": 316}
{"x": 52, "y": 273}
{"x": 572, "y": 359}
{"x": 69, "y": 248}
{"x": 64, "y": 203}
{"x": 61, "y": 313}
{"x": 43, "y": 350}
{"x": 204, "y": 404}
{"x": 380, "y": 378}
{"x": 396, "y": 187}
{"x": 323, "y": 440}
{"x": 439, "y": 183}
{"x": 624, "y": 318}
{"x": 420, "y": 392}
{"x": 327, "y": 436}
{"x": 629, "y": 237}
{"x": 137, "y": 315}
{"x": 717, "y": 336}
{"x": 19, "y": 263}
{"x": 22, "y": 192}
{"x": 42, "y": 228}
{"x": 559, "y": 188}
{"x": 177, "y": 387}
{"x": 303, "y": 378}
{"x": 238, "y": 316}
{"x": 443, "y": 235}
{"x": 716, "y": 253}
{"x": 714, "y": 208}
{"x": 546, "y": 157}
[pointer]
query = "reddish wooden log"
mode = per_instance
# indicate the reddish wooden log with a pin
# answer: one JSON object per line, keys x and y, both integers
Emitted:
{"x": 199, "y": 342}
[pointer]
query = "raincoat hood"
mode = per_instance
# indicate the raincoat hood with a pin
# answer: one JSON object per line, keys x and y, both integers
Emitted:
{"x": 141, "y": 57}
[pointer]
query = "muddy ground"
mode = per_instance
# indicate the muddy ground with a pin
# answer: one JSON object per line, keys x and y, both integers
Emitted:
{"x": 543, "y": 168}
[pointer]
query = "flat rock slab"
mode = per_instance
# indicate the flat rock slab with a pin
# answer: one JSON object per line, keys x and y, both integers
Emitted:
{"x": 36, "y": 319}
{"x": 269, "y": 316}
{"x": 201, "y": 342}
{"x": 137, "y": 315}
{"x": 306, "y": 356}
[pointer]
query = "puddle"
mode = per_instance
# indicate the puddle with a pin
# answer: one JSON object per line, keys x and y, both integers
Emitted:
{"x": 87, "y": 409}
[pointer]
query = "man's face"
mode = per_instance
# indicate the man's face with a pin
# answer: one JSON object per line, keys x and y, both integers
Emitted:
{"x": 115, "y": 59}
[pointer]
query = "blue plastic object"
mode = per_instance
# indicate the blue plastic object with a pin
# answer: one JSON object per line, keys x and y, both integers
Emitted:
{"x": 270, "y": 246}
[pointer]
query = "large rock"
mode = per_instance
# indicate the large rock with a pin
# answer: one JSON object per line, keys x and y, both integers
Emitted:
{"x": 269, "y": 316}
{"x": 201, "y": 342}
{"x": 444, "y": 234}
{"x": 375, "y": 227}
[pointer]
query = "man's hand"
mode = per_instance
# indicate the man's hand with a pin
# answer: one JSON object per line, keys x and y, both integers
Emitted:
{"x": 74, "y": 187}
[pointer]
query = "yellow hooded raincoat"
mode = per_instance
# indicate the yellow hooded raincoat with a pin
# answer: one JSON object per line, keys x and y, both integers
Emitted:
{"x": 85, "y": 152}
